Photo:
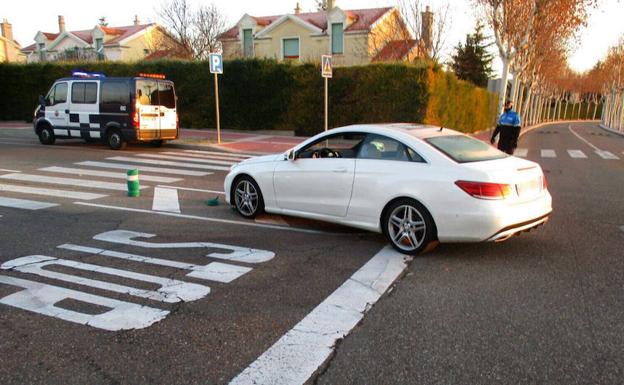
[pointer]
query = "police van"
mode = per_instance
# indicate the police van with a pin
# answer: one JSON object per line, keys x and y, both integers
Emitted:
{"x": 118, "y": 111}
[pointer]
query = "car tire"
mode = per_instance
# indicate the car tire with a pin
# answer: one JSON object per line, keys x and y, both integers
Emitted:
{"x": 46, "y": 135}
{"x": 115, "y": 140}
{"x": 157, "y": 143}
{"x": 409, "y": 227}
{"x": 247, "y": 198}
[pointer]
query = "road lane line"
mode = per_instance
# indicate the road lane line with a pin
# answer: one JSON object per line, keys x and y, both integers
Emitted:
{"x": 170, "y": 291}
{"x": 548, "y": 154}
{"x": 230, "y": 154}
{"x": 51, "y": 192}
{"x": 295, "y": 357}
{"x": 166, "y": 199}
{"x": 24, "y": 204}
{"x": 11, "y": 171}
{"x": 214, "y": 271}
{"x": 607, "y": 155}
{"x": 193, "y": 189}
{"x": 198, "y": 156}
{"x": 583, "y": 139}
{"x": 107, "y": 174}
{"x": 42, "y": 299}
{"x": 206, "y": 219}
{"x": 168, "y": 163}
{"x": 162, "y": 170}
{"x": 577, "y": 154}
{"x": 85, "y": 183}
{"x": 521, "y": 152}
{"x": 188, "y": 159}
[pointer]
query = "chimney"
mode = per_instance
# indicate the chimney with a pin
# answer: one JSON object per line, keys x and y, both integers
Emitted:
{"x": 136, "y": 20}
{"x": 7, "y": 30}
{"x": 61, "y": 22}
{"x": 297, "y": 9}
{"x": 331, "y": 4}
{"x": 427, "y": 31}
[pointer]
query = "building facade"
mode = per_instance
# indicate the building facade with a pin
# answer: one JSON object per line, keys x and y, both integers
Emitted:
{"x": 10, "y": 50}
{"x": 352, "y": 37}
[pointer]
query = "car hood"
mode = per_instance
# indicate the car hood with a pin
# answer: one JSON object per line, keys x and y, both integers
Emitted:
{"x": 263, "y": 159}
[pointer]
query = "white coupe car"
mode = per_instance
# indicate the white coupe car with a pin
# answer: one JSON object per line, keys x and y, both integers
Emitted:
{"x": 415, "y": 184}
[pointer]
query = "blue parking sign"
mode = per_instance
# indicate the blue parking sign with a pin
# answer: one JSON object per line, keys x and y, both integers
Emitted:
{"x": 216, "y": 63}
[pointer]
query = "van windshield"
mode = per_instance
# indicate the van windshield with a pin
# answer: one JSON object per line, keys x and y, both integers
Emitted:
{"x": 464, "y": 149}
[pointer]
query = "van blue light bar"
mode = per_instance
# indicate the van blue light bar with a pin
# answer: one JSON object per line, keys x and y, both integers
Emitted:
{"x": 83, "y": 74}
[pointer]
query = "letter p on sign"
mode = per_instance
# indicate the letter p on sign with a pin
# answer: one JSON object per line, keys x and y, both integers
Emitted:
{"x": 216, "y": 63}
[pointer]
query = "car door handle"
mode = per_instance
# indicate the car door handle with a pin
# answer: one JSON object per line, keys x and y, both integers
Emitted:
{"x": 67, "y": 111}
{"x": 340, "y": 170}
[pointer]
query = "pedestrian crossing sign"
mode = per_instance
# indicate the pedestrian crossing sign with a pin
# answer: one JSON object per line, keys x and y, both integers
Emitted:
{"x": 326, "y": 66}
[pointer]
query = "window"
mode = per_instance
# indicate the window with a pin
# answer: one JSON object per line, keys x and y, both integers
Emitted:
{"x": 344, "y": 145}
{"x": 99, "y": 48}
{"x": 248, "y": 43}
{"x": 84, "y": 93}
{"x": 464, "y": 149}
{"x": 166, "y": 95}
{"x": 147, "y": 92}
{"x": 337, "y": 35}
{"x": 57, "y": 95}
{"x": 115, "y": 93}
{"x": 291, "y": 48}
{"x": 384, "y": 148}
{"x": 42, "y": 54}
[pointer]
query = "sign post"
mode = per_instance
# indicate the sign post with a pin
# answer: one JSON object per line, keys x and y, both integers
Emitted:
{"x": 326, "y": 72}
{"x": 216, "y": 68}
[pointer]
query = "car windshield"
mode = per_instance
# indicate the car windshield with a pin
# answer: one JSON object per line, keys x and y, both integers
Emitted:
{"x": 464, "y": 149}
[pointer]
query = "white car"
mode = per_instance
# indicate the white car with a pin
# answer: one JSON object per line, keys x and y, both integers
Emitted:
{"x": 414, "y": 183}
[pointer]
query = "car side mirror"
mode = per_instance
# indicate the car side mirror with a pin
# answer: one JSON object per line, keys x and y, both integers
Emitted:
{"x": 42, "y": 101}
{"x": 290, "y": 155}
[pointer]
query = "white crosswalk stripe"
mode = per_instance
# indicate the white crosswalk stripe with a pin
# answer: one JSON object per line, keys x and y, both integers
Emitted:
{"x": 169, "y": 163}
{"x": 51, "y": 192}
{"x": 85, "y": 183}
{"x": 107, "y": 174}
{"x": 188, "y": 159}
{"x": 607, "y": 155}
{"x": 166, "y": 199}
{"x": 521, "y": 152}
{"x": 127, "y": 166}
{"x": 577, "y": 154}
{"x": 548, "y": 154}
{"x": 231, "y": 154}
{"x": 200, "y": 156}
{"x": 24, "y": 204}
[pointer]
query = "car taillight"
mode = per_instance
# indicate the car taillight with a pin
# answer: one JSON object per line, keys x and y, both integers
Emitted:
{"x": 177, "y": 121}
{"x": 482, "y": 190}
{"x": 544, "y": 182}
{"x": 136, "y": 119}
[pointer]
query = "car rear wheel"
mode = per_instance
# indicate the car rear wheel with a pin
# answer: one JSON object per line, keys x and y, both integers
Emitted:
{"x": 247, "y": 197}
{"x": 115, "y": 140}
{"x": 46, "y": 135}
{"x": 157, "y": 143}
{"x": 408, "y": 226}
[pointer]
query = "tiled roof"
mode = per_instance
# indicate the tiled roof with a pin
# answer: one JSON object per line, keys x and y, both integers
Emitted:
{"x": 395, "y": 50}
{"x": 127, "y": 32}
{"x": 50, "y": 35}
{"x": 120, "y": 34}
{"x": 363, "y": 20}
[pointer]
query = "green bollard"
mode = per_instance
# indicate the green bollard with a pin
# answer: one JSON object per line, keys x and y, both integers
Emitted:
{"x": 133, "y": 183}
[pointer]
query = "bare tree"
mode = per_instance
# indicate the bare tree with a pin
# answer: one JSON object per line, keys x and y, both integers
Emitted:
{"x": 430, "y": 31}
{"x": 197, "y": 30}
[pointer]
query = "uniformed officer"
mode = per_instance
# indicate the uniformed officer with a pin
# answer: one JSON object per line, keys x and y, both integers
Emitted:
{"x": 509, "y": 129}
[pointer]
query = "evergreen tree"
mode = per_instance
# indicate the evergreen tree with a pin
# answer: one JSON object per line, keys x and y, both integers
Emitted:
{"x": 472, "y": 61}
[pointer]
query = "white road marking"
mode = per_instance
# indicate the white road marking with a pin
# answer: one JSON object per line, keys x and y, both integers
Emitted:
{"x": 193, "y": 189}
{"x": 548, "y": 154}
{"x": 107, "y": 174}
{"x": 218, "y": 157}
{"x": 237, "y": 254}
{"x": 206, "y": 219}
{"x": 168, "y": 163}
{"x": 25, "y": 204}
{"x": 231, "y": 154}
{"x": 214, "y": 271}
{"x": 171, "y": 290}
{"x": 41, "y": 299}
{"x": 11, "y": 171}
{"x": 50, "y": 192}
{"x": 521, "y": 152}
{"x": 188, "y": 159}
{"x": 577, "y": 154}
{"x": 607, "y": 155}
{"x": 166, "y": 199}
{"x": 85, "y": 183}
{"x": 295, "y": 357}
{"x": 162, "y": 170}
{"x": 582, "y": 139}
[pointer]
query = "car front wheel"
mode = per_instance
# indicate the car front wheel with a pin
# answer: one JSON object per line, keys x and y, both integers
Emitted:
{"x": 408, "y": 226}
{"x": 46, "y": 135}
{"x": 247, "y": 197}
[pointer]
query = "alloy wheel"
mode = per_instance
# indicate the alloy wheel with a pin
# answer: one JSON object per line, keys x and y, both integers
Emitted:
{"x": 407, "y": 228}
{"x": 246, "y": 197}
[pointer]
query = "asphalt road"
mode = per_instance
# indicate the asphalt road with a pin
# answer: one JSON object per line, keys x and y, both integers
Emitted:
{"x": 545, "y": 307}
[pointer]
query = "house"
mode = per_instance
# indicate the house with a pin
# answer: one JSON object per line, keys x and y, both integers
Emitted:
{"x": 352, "y": 37}
{"x": 9, "y": 48}
{"x": 128, "y": 43}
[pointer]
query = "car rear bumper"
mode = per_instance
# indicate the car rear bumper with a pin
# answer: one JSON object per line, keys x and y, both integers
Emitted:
{"x": 518, "y": 228}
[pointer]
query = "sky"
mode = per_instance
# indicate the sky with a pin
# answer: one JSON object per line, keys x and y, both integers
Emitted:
{"x": 604, "y": 28}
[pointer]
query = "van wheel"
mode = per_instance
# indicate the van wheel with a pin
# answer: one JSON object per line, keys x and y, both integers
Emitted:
{"x": 157, "y": 143}
{"x": 46, "y": 135}
{"x": 115, "y": 140}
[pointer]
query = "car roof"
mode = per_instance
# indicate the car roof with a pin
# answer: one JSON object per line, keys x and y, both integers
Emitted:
{"x": 420, "y": 131}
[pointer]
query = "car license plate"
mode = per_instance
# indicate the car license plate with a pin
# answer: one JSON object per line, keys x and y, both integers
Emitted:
{"x": 529, "y": 188}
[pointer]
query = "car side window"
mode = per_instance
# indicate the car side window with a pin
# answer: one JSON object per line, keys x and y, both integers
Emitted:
{"x": 57, "y": 95}
{"x": 343, "y": 145}
{"x": 84, "y": 93}
{"x": 384, "y": 148}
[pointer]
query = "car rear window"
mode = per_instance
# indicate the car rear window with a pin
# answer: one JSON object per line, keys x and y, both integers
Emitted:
{"x": 464, "y": 149}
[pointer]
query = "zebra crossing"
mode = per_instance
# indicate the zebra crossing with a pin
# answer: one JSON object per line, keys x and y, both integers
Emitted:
{"x": 571, "y": 153}
{"x": 88, "y": 180}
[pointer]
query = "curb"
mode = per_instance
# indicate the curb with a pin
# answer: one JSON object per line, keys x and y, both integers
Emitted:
{"x": 611, "y": 130}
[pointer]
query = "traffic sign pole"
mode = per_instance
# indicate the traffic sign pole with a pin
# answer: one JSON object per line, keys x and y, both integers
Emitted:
{"x": 216, "y": 67}
{"x": 326, "y": 72}
{"x": 218, "y": 115}
{"x": 326, "y": 103}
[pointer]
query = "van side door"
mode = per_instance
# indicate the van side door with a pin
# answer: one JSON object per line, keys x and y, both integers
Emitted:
{"x": 84, "y": 110}
{"x": 56, "y": 111}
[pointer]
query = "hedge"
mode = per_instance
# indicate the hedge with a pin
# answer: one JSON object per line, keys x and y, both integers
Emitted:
{"x": 264, "y": 94}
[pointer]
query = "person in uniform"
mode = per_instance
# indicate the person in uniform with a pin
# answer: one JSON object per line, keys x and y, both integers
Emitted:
{"x": 508, "y": 127}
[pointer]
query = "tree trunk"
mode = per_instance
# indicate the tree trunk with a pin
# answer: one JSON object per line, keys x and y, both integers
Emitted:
{"x": 502, "y": 92}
